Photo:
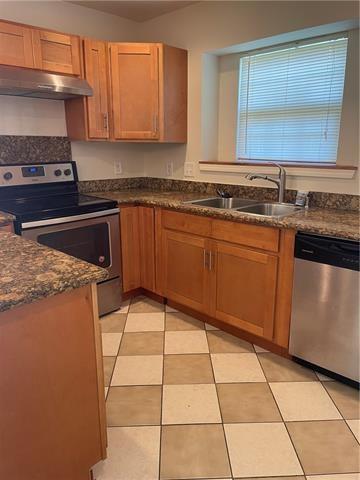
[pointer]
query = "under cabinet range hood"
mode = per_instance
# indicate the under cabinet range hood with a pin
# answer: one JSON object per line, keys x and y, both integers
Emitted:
{"x": 23, "y": 82}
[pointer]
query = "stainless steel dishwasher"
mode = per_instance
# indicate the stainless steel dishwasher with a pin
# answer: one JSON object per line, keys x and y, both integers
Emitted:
{"x": 325, "y": 309}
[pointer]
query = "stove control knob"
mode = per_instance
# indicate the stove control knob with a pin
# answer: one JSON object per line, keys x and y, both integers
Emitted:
{"x": 57, "y": 172}
{"x": 67, "y": 172}
{"x": 8, "y": 176}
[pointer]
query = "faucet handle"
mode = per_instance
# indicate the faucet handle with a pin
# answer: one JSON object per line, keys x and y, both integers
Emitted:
{"x": 223, "y": 193}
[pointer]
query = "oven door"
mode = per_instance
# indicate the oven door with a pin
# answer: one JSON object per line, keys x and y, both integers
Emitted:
{"x": 94, "y": 240}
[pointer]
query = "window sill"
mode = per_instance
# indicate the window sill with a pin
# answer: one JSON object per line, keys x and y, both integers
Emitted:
{"x": 298, "y": 170}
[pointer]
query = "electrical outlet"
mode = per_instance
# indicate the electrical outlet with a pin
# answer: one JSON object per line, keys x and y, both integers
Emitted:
{"x": 169, "y": 169}
{"x": 189, "y": 169}
{"x": 118, "y": 167}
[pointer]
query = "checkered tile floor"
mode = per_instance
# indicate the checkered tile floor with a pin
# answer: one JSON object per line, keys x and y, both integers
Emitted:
{"x": 187, "y": 401}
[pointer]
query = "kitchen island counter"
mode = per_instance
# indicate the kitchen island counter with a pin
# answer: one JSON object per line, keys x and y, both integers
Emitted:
{"x": 30, "y": 271}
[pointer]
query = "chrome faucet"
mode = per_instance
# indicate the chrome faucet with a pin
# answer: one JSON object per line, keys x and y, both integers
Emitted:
{"x": 280, "y": 182}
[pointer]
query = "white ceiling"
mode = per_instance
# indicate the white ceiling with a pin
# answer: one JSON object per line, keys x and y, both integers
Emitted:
{"x": 136, "y": 10}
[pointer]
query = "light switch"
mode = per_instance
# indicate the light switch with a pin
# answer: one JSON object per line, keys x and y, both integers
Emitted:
{"x": 118, "y": 167}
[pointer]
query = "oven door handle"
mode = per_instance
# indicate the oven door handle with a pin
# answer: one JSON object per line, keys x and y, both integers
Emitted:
{"x": 72, "y": 218}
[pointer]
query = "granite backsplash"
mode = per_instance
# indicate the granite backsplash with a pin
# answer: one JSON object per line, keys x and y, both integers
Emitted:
{"x": 31, "y": 149}
{"x": 317, "y": 199}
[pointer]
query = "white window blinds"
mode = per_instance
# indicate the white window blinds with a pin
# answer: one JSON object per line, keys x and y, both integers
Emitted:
{"x": 290, "y": 102}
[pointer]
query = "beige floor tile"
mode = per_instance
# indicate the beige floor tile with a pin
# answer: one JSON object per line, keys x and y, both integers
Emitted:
{"x": 222, "y": 342}
{"x": 145, "y": 322}
{"x": 110, "y": 344}
{"x": 124, "y": 307}
{"x": 143, "y": 304}
{"x": 236, "y": 367}
{"x": 347, "y": 399}
{"x": 133, "y": 454}
{"x": 259, "y": 349}
{"x": 325, "y": 447}
{"x": 186, "y": 342}
{"x": 138, "y": 343}
{"x": 184, "y": 404}
{"x": 193, "y": 451}
{"x": 180, "y": 321}
{"x": 247, "y": 402}
{"x": 355, "y": 428}
{"x": 109, "y": 363}
{"x": 187, "y": 369}
{"x": 170, "y": 309}
{"x": 280, "y": 369}
{"x": 113, "y": 323}
{"x": 261, "y": 450}
{"x": 323, "y": 378}
{"x": 127, "y": 406}
{"x": 138, "y": 370}
{"x": 339, "y": 476}
{"x": 210, "y": 327}
{"x": 299, "y": 401}
{"x": 106, "y": 391}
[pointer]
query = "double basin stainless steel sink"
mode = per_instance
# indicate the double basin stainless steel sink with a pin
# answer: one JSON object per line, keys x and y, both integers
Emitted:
{"x": 251, "y": 207}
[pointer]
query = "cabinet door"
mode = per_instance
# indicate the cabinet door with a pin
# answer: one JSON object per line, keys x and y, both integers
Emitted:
{"x": 15, "y": 45}
{"x": 244, "y": 288}
{"x": 135, "y": 90}
{"x": 96, "y": 75}
{"x": 56, "y": 52}
{"x": 185, "y": 269}
{"x": 130, "y": 247}
{"x": 147, "y": 247}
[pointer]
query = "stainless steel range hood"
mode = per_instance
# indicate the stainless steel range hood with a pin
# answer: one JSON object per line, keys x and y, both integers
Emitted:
{"x": 25, "y": 82}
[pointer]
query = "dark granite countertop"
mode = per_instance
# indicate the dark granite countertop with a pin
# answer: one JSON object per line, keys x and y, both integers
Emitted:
{"x": 5, "y": 219}
{"x": 30, "y": 271}
{"x": 338, "y": 223}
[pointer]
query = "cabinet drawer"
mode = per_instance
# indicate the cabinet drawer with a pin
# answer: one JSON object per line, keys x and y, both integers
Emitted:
{"x": 185, "y": 222}
{"x": 265, "y": 238}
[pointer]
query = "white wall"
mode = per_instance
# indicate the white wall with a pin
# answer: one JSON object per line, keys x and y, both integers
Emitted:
{"x": 208, "y": 26}
{"x": 30, "y": 116}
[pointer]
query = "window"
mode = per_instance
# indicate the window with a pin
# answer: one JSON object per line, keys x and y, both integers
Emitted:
{"x": 290, "y": 101}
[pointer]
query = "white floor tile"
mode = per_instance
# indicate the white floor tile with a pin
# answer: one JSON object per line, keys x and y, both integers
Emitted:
{"x": 133, "y": 454}
{"x": 302, "y": 401}
{"x": 261, "y": 450}
{"x": 145, "y": 322}
{"x": 110, "y": 344}
{"x": 138, "y": 370}
{"x": 183, "y": 404}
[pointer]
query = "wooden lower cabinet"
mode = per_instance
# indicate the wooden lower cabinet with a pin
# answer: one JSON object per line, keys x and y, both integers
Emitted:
{"x": 243, "y": 290}
{"x": 234, "y": 282}
{"x": 137, "y": 247}
{"x": 185, "y": 274}
{"x": 182, "y": 258}
{"x": 52, "y": 405}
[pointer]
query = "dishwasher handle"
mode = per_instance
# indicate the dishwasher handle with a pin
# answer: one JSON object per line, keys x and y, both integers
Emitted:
{"x": 330, "y": 251}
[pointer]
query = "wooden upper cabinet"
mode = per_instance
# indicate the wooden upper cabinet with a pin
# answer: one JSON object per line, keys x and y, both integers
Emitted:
{"x": 135, "y": 90}
{"x": 244, "y": 288}
{"x": 95, "y": 61}
{"x": 56, "y": 52}
{"x": 16, "y": 45}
